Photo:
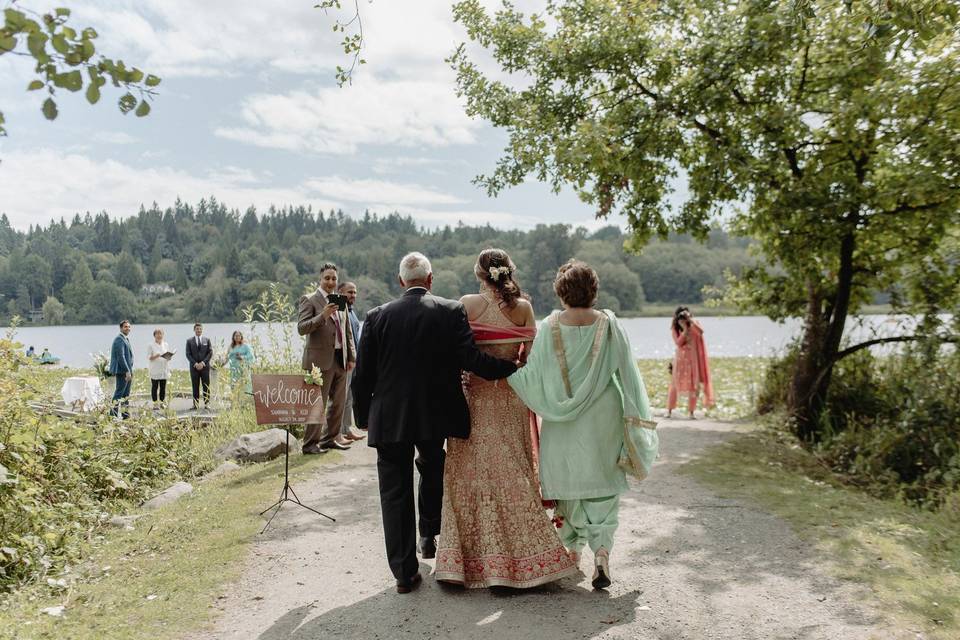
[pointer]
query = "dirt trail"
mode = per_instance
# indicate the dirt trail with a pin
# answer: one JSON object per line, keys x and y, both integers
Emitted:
{"x": 687, "y": 564}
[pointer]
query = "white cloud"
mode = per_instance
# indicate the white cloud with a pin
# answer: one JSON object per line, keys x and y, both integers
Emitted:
{"x": 214, "y": 37}
{"x": 225, "y": 37}
{"x": 368, "y": 192}
{"x": 30, "y": 195}
{"x": 398, "y": 164}
{"x": 331, "y": 120}
{"x": 115, "y": 137}
{"x": 440, "y": 217}
{"x": 82, "y": 184}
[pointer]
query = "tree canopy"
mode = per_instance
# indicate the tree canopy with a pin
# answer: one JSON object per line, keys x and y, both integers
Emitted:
{"x": 207, "y": 261}
{"x": 829, "y": 131}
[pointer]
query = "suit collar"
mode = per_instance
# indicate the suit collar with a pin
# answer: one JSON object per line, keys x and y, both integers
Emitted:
{"x": 416, "y": 291}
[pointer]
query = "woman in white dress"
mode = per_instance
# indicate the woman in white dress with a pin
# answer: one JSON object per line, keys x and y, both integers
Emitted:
{"x": 158, "y": 368}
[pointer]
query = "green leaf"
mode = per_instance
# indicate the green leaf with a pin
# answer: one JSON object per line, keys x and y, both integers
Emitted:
{"x": 71, "y": 81}
{"x": 34, "y": 85}
{"x": 16, "y": 20}
{"x": 151, "y": 80}
{"x": 50, "y": 109}
{"x": 36, "y": 45}
{"x": 93, "y": 93}
{"x": 59, "y": 43}
{"x": 62, "y": 12}
{"x": 127, "y": 102}
{"x": 142, "y": 109}
{"x": 7, "y": 43}
{"x": 134, "y": 75}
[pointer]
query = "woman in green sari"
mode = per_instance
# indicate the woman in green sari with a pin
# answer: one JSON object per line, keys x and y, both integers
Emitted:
{"x": 582, "y": 380}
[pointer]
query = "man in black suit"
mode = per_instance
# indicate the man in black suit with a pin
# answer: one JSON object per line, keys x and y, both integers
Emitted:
{"x": 407, "y": 392}
{"x": 199, "y": 353}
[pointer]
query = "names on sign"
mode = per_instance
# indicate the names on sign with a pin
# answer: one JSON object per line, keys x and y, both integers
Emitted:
{"x": 286, "y": 399}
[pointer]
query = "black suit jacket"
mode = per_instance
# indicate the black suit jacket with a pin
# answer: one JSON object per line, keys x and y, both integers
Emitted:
{"x": 406, "y": 387}
{"x": 203, "y": 353}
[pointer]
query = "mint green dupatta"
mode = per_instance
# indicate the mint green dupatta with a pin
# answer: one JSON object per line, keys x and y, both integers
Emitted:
{"x": 561, "y": 385}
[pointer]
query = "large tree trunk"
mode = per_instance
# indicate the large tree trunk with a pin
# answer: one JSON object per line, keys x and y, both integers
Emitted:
{"x": 822, "y": 334}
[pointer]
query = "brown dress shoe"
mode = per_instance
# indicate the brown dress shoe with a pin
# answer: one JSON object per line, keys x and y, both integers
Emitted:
{"x": 406, "y": 586}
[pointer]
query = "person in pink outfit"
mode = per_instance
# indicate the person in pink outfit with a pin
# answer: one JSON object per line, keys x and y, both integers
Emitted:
{"x": 690, "y": 370}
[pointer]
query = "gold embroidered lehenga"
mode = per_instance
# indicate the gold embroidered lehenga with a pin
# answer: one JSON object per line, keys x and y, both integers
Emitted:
{"x": 494, "y": 529}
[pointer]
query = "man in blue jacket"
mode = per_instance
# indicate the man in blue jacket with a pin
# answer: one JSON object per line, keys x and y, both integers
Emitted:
{"x": 121, "y": 366}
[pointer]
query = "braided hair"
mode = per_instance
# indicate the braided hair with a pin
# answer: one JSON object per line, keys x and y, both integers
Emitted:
{"x": 496, "y": 268}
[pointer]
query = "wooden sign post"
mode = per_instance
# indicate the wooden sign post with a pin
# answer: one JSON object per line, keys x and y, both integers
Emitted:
{"x": 286, "y": 400}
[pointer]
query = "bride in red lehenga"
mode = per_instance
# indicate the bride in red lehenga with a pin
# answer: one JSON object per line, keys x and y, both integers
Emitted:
{"x": 494, "y": 529}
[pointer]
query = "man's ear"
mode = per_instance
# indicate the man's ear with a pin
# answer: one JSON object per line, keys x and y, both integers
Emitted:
{"x": 429, "y": 281}
{"x": 400, "y": 280}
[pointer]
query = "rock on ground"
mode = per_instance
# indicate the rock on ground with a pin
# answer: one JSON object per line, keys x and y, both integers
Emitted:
{"x": 225, "y": 467}
{"x": 124, "y": 522}
{"x": 168, "y": 495}
{"x": 257, "y": 447}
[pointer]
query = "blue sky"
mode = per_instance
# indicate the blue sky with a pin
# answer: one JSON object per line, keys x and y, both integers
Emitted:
{"x": 249, "y": 111}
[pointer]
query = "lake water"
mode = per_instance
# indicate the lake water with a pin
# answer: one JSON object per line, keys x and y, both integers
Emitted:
{"x": 650, "y": 337}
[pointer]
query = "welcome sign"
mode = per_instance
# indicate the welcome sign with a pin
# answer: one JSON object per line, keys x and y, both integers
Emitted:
{"x": 286, "y": 399}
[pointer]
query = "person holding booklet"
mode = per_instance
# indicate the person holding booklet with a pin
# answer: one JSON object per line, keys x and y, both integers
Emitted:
{"x": 158, "y": 356}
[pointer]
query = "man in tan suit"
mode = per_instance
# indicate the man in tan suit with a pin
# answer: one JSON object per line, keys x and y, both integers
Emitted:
{"x": 329, "y": 347}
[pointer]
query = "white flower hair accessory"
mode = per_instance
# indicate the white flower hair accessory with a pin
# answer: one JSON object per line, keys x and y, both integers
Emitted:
{"x": 496, "y": 272}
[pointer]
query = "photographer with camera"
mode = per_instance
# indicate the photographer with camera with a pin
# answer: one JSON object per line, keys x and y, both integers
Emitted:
{"x": 330, "y": 347}
{"x": 690, "y": 371}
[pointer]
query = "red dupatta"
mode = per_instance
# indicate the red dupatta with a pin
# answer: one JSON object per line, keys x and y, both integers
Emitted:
{"x": 492, "y": 334}
{"x": 703, "y": 363}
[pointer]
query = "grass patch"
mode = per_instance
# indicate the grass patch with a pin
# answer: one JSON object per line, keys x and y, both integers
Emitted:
{"x": 909, "y": 558}
{"x": 183, "y": 555}
{"x": 736, "y": 382}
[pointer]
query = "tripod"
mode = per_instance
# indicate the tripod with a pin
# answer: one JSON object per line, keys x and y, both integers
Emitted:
{"x": 287, "y": 490}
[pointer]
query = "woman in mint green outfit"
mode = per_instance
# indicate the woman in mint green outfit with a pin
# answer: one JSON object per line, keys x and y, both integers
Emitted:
{"x": 240, "y": 357}
{"x": 582, "y": 380}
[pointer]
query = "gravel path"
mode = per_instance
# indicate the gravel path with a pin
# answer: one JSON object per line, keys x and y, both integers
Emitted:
{"x": 687, "y": 564}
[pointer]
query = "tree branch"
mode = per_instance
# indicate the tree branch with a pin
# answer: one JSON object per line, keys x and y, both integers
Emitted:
{"x": 869, "y": 343}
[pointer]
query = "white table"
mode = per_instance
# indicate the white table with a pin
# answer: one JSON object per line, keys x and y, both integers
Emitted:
{"x": 82, "y": 393}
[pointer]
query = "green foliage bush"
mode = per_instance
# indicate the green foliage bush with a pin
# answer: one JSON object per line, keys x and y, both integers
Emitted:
{"x": 892, "y": 424}
{"x": 61, "y": 480}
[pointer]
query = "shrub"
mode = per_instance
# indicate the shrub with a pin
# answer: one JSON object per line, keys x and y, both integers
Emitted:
{"x": 892, "y": 422}
{"x": 63, "y": 479}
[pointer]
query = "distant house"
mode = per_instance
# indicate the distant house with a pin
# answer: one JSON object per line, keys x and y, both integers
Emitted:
{"x": 156, "y": 290}
{"x": 35, "y": 316}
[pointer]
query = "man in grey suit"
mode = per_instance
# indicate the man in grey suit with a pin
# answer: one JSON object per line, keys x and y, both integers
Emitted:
{"x": 329, "y": 347}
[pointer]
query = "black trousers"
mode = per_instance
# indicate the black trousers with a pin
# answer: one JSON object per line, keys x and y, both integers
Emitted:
{"x": 196, "y": 377}
{"x": 158, "y": 390}
{"x": 395, "y": 470}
